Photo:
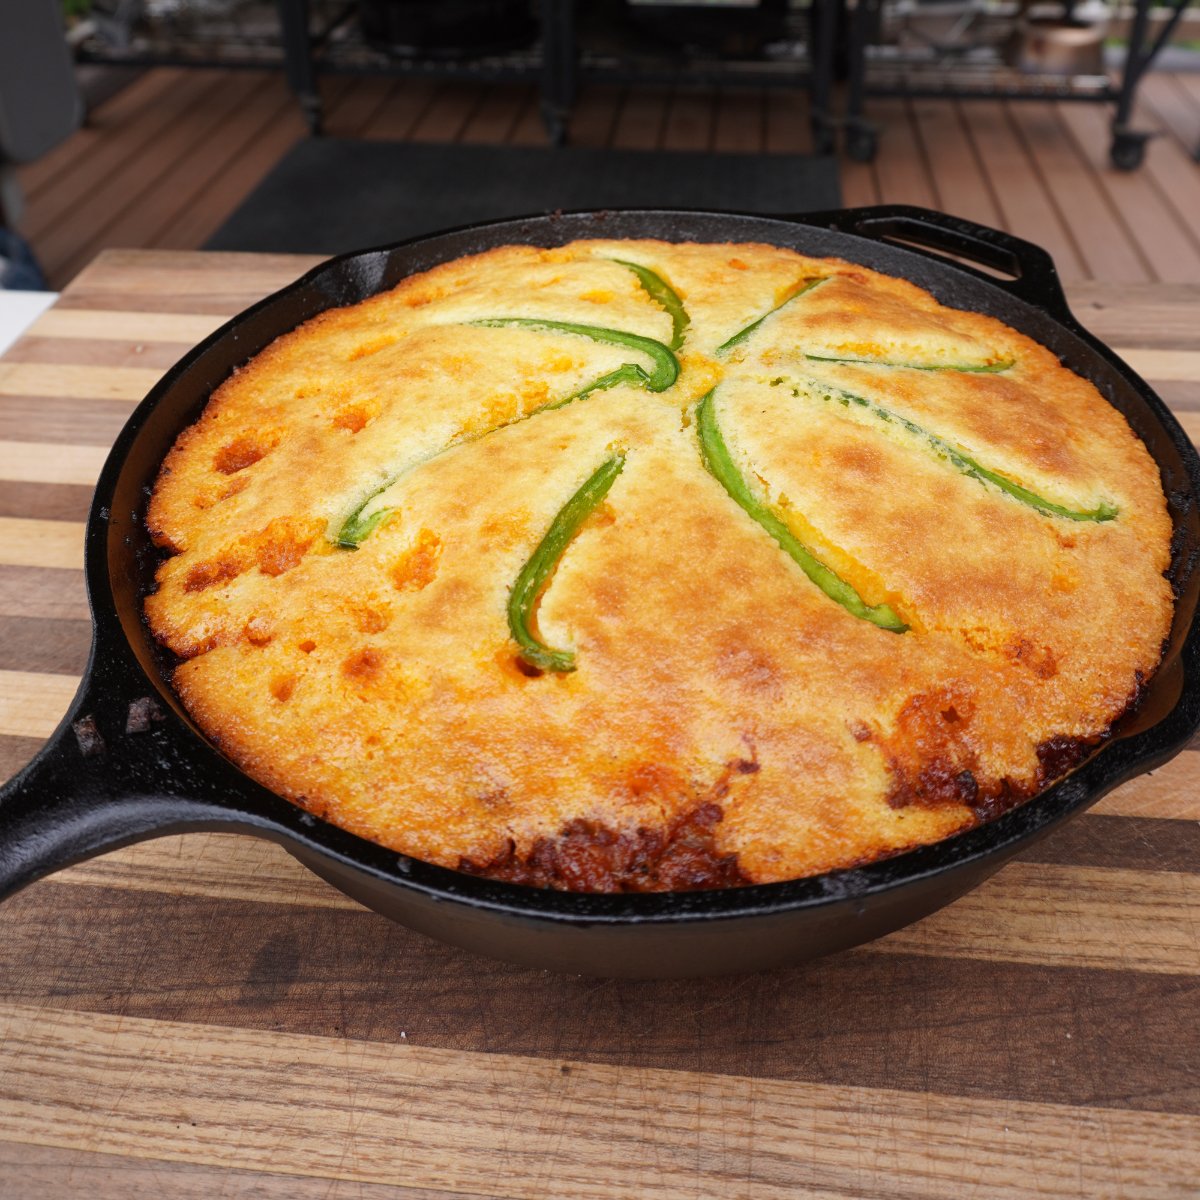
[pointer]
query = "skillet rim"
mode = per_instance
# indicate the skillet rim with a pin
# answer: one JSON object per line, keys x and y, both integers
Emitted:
{"x": 981, "y": 848}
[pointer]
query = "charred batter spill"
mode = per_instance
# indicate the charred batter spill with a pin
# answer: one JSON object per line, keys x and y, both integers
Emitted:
{"x": 589, "y": 856}
{"x": 1058, "y": 755}
{"x": 937, "y": 783}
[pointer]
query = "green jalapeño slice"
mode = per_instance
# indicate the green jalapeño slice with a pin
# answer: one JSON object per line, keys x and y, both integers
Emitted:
{"x": 665, "y": 368}
{"x": 990, "y": 368}
{"x": 963, "y": 461}
{"x": 805, "y": 286}
{"x": 535, "y": 574}
{"x": 361, "y": 523}
{"x": 665, "y": 296}
{"x": 356, "y": 528}
{"x": 720, "y": 464}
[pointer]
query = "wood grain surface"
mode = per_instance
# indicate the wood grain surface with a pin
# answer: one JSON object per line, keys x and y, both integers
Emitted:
{"x": 199, "y": 1016}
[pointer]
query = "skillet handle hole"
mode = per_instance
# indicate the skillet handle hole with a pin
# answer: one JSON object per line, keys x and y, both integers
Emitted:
{"x": 960, "y": 245}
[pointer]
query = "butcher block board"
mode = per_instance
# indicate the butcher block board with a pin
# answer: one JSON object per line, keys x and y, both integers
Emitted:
{"x": 199, "y": 1017}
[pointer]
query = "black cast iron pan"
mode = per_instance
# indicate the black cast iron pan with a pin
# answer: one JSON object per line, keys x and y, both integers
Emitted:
{"x": 127, "y": 763}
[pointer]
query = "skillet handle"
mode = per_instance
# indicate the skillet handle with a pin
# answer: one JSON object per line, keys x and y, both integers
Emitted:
{"x": 1026, "y": 271}
{"x": 115, "y": 771}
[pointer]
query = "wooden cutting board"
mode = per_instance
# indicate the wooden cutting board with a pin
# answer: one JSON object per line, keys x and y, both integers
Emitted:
{"x": 200, "y": 1017}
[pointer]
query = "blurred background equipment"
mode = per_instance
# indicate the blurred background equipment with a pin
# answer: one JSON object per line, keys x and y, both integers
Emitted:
{"x": 450, "y": 28}
{"x": 786, "y": 44}
{"x": 735, "y": 28}
{"x": 556, "y": 44}
{"x": 39, "y": 107}
{"x": 1001, "y": 50}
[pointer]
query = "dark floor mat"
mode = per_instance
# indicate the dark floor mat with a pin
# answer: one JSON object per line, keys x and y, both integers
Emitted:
{"x": 330, "y": 195}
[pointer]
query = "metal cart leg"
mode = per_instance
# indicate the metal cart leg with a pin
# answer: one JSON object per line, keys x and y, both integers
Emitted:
{"x": 298, "y": 63}
{"x": 823, "y": 22}
{"x": 862, "y": 137}
{"x": 1128, "y": 147}
{"x": 558, "y": 67}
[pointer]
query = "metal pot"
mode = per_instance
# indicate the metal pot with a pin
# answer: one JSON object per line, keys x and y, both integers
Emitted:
{"x": 127, "y": 762}
{"x": 1060, "y": 46}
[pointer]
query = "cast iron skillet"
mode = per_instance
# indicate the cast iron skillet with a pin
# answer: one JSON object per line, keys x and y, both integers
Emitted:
{"x": 127, "y": 763}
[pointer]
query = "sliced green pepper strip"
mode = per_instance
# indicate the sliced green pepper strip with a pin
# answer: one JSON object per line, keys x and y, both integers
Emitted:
{"x": 665, "y": 296}
{"x": 719, "y": 463}
{"x": 532, "y": 580}
{"x": 666, "y": 365}
{"x": 806, "y": 285}
{"x": 627, "y": 373}
{"x": 984, "y": 369}
{"x": 969, "y": 466}
{"x": 356, "y": 528}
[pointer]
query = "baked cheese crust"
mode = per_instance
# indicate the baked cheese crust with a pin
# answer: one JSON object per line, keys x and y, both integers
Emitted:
{"x": 648, "y": 566}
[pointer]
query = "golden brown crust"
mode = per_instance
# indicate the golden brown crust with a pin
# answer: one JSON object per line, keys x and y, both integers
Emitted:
{"x": 728, "y": 722}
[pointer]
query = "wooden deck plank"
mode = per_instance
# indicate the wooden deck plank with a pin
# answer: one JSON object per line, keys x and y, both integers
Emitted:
{"x": 963, "y": 189}
{"x": 362, "y": 103}
{"x": 1169, "y": 159}
{"x": 406, "y": 104}
{"x": 1190, "y": 84}
{"x": 122, "y": 206}
{"x": 1025, "y": 207}
{"x": 788, "y": 129}
{"x": 639, "y": 124}
{"x": 1104, "y": 241}
{"x": 739, "y": 126}
{"x": 859, "y": 186}
{"x": 900, "y": 166}
{"x": 499, "y": 110}
{"x": 185, "y": 179}
{"x": 689, "y": 121}
{"x": 272, "y": 125}
{"x": 97, "y": 133}
{"x": 1177, "y": 176}
{"x": 1166, "y": 243}
{"x": 594, "y": 116}
{"x": 448, "y": 113}
{"x": 1173, "y": 105}
{"x": 529, "y": 129}
{"x": 119, "y": 160}
{"x": 1030, "y": 168}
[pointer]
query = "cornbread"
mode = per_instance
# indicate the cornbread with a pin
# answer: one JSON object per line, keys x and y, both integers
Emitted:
{"x": 631, "y": 566}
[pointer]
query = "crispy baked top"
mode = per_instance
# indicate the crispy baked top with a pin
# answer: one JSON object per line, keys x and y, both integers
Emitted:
{"x": 635, "y": 565}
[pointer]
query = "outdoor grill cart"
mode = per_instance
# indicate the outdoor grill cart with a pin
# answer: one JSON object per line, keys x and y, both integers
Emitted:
{"x": 988, "y": 50}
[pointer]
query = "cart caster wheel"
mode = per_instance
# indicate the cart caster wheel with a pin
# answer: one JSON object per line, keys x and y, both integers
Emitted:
{"x": 862, "y": 144}
{"x": 314, "y": 114}
{"x": 555, "y": 122}
{"x": 1127, "y": 151}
